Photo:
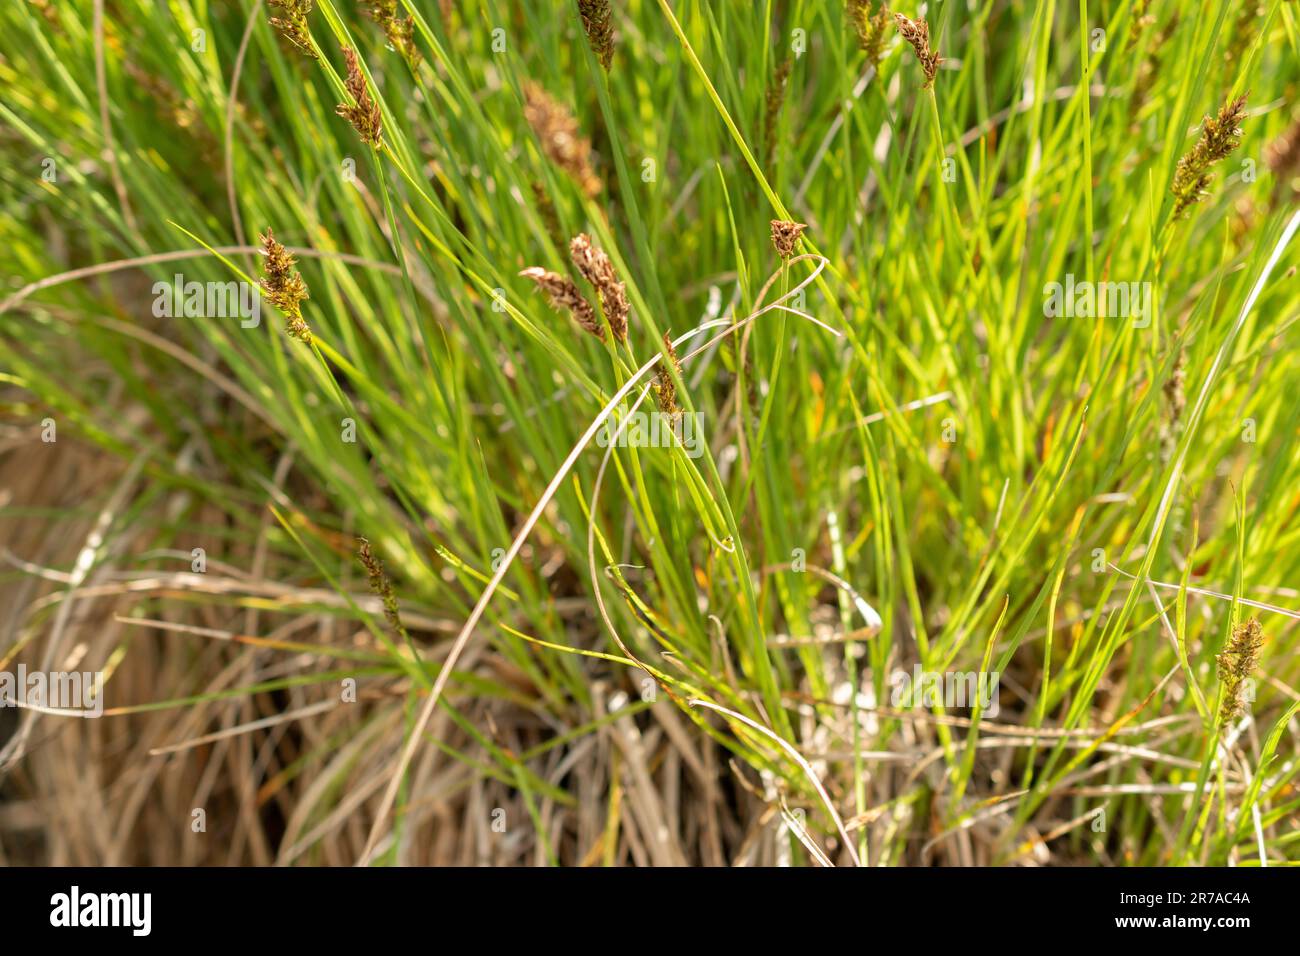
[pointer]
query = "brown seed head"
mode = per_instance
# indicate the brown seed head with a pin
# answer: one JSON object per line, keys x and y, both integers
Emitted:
{"x": 1237, "y": 662}
{"x": 597, "y": 20}
{"x": 870, "y": 27}
{"x": 785, "y": 236}
{"x": 399, "y": 30}
{"x": 1175, "y": 388}
{"x": 563, "y": 293}
{"x": 1175, "y": 391}
{"x": 597, "y": 269}
{"x": 293, "y": 25}
{"x": 1141, "y": 19}
{"x": 381, "y": 586}
{"x": 363, "y": 113}
{"x": 664, "y": 387}
{"x": 775, "y": 97}
{"x": 560, "y": 138}
{"x": 1220, "y": 135}
{"x": 282, "y": 284}
{"x": 917, "y": 34}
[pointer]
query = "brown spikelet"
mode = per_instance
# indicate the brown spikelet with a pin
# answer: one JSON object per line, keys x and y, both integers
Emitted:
{"x": 775, "y": 97}
{"x": 597, "y": 21}
{"x": 399, "y": 30}
{"x": 1220, "y": 135}
{"x": 785, "y": 236}
{"x": 870, "y": 27}
{"x": 597, "y": 269}
{"x": 1283, "y": 158}
{"x": 1175, "y": 392}
{"x": 917, "y": 34}
{"x": 561, "y": 140}
{"x": 563, "y": 293}
{"x": 363, "y": 113}
{"x": 383, "y": 587}
{"x": 282, "y": 284}
{"x": 664, "y": 387}
{"x": 293, "y": 25}
{"x": 1141, "y": 19}
{"x": 1237, "y": 662}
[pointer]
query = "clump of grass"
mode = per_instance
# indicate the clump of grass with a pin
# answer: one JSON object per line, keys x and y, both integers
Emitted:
{"x": 1237, "y": 662}
{"x": 595, "y": 266}
{"x": 293, "y": 25}
{"x": 837, "y": 446}
{"x": 561, "y": 139}
{"x": 284, "y": 286}
{"x": 363, "y": 112}
{"x": 598, "y": 22}
{"x": 564, "y": 294}
{"x": 869, "y": 26}
{"x": 1220, "y": 135}
{"x": 917, "y": 34}
{"x": 399, "y": 30}
{"x": 786, "y": 235}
